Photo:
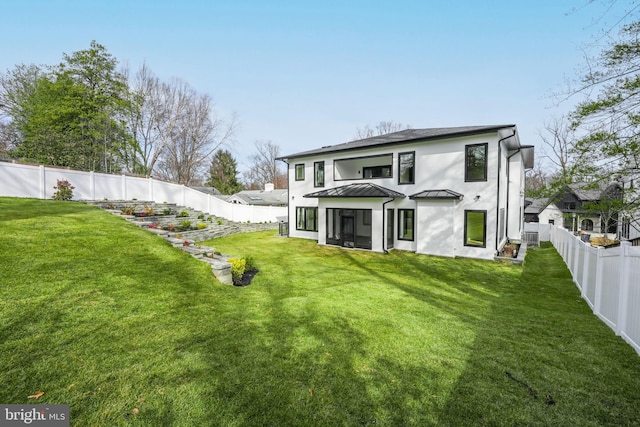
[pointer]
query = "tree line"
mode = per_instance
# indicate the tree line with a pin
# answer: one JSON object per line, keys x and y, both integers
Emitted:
{"x": 88, "y": 113}
{"x": 598, "y": 142}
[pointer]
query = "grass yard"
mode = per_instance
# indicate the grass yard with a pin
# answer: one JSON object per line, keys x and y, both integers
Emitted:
{"x": 110, "y": 319}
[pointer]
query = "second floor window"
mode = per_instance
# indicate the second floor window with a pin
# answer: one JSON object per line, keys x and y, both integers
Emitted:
{"x": 475, "y": 162}
{"x": 318, "y": 174}
{"x": 406, "y": 168}
{"x": 300, "y": 172}
{"x": 376, "y": 172}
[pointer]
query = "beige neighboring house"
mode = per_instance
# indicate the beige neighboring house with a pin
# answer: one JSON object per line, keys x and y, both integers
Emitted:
{"x": 267, "y": 197}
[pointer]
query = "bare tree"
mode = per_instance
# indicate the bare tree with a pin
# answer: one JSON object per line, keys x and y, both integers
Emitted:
{"x": 558, "y": 148}
{"x": 265, "y": 168}
{"x": 536, "y": 181}
{"x": 382, "y": 128}
{"x": 189, "y": 132}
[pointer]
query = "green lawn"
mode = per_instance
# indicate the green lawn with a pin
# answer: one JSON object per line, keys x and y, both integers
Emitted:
{"x": 110, "y": 319}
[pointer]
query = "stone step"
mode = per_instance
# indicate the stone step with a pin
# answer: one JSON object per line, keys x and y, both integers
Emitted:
{"x": 184, "y": 240}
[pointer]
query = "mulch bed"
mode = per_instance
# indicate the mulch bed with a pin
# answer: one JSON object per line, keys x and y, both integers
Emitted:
{"x": 247, "y": 277}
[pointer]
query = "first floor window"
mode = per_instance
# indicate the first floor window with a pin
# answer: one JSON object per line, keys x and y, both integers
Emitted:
{"x": 307, "y": 219}
{"x": 300, "y": 172}
{"x": 586, "y": 225}
{"x": 475, "y": 228}
{"x": 406, "y": 226}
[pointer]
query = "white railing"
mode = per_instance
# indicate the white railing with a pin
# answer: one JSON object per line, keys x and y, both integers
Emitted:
{"x": 608, "y": 279}
{"x": 20, "y": 180}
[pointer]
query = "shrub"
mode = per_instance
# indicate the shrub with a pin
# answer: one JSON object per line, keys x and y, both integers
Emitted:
{"x": 202, "y": 226}
{"x": 219, "y": 222}
{"x": 238, "y": 266}
{"x": 166, "y": 211}
{"x": 183, "y": 213}
{"x": 65, "y": 190}
{"x": 185, "y": 224}
{"x": 148, "y": 210}
{"x": 249, "y": 263}
{"x": 128, "y": 210}
{"x": 170, "y": 227}
{"x": 201, "y": 216}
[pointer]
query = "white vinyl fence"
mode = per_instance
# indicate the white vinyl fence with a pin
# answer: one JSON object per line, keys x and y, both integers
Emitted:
{"x": 608, "y": 279}
{"x": 20, "y": 180}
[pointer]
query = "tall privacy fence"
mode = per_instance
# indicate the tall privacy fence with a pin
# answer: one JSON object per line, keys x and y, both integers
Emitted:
{"x": 608, "y": 279}
{"x": 20, "y": 180}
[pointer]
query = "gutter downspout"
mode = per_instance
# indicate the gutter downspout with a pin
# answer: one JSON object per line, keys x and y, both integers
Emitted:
{"x": 498, "y": 189}
{"x": 288, "y": 196}
{"x": 506, "y": 230}
{"x": 384, "y": 229}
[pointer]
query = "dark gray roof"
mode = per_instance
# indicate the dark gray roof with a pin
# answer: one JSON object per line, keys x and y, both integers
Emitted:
{"x": 263, "y": 197}
{"x": 587, "y": 191}
{"x": 437, "y": 194}
{"x": 357, "y": 190}
{"x": 537, "y": 205}
{"x": 209, "y": 190}
{"x": 403, "y": 136}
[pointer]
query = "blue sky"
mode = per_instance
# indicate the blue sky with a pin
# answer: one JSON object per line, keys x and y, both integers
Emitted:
{"x": 307, "y": 74}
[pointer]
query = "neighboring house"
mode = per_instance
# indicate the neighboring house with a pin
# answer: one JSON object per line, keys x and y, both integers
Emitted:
{"x": 575, "y": 208}
{"x": 267, "y": 197}
{"x": 542, "y": 211}
{"x": 444, "y": 191}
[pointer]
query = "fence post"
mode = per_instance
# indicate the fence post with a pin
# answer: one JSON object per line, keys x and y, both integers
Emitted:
{"x": 585, "y": 271}
{"x": 623, "y": 296}
{"x": 574, "y": 266}
{"x": 43, "y": 184}
{"x": 92, "y": 185}
{"x": 124, "y": 187}
{"x": 598, "y": 279}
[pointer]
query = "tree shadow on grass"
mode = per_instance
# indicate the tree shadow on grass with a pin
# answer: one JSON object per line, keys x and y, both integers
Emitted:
{"x": 540, "y": 357}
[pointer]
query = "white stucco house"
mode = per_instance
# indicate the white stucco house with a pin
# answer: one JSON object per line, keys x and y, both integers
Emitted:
{"x": 451, "y": 192}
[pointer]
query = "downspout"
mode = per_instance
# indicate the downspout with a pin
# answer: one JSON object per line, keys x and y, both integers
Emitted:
{"x": 506, "y": 228}
{"x": 498, "y": 189}
{"x": 384, "y": 241}
{"x": 288, "y": 196}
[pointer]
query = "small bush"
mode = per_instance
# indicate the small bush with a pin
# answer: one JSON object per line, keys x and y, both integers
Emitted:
{"x": 185, "y": 224}
{"x": 219, "y": 222}
{"x": 148, "y": 210}
{"x": 65, "y": 190}
{"x": 182, "y": 214}
{"x": 170, "y": 227}
{"x": 238, "y": 267}
{"x": 201, "y": 216}
{"x": 249, "y": 263}
{"x": 202, "y": 226}
{"x": 128, "y": 210}
{"x": 166, "y": 211}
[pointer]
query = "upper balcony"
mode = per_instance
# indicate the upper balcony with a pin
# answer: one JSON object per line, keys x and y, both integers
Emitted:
{"x": 370, "y": 167}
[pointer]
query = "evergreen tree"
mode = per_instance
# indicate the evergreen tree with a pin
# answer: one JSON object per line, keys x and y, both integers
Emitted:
{"x": 224, "y": 173}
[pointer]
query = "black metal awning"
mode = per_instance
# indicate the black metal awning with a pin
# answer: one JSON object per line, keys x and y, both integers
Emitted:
{"x": 437, "y": 194}
{"x": 357, "y": 190}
